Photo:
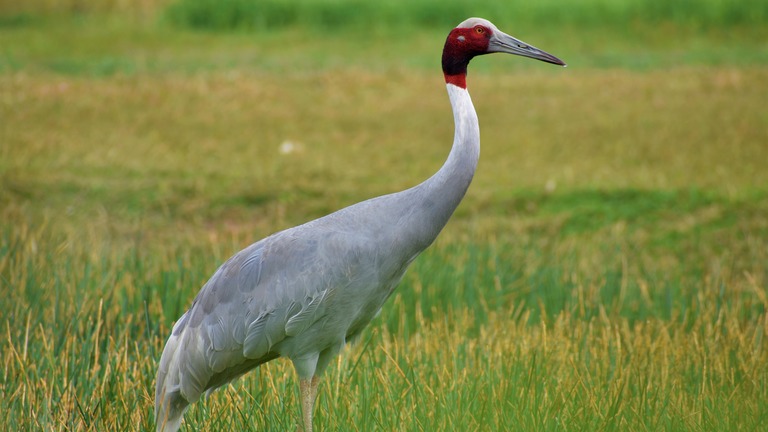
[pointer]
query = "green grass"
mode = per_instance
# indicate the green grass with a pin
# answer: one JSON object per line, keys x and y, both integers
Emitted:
{"x": 267, "y": 15}
{"x": 475, "y": 338}
{"x": 607, "y": 270}
{"x": 97, "y": 45}
{"x": 329, "y": 15}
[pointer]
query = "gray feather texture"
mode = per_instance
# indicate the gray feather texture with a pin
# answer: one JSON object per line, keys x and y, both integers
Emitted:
{"x": 304, "y": 292}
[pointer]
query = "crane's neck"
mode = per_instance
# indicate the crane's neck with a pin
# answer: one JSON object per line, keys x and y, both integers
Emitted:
{"x": 452, "y": 180}
{"x": 435, "y": 199}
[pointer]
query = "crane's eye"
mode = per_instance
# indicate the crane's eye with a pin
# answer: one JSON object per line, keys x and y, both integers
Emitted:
{"x": 479, "y": 30}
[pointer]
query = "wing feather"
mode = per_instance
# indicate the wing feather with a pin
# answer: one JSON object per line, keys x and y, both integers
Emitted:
{"x": 195, "y": 373}
{"x": 238, "y": 329}
{"x": 271, "y": 290}
{"x": 219, "y": 361}
{"x": 251, "y": 268}
{"x": 254, "y": 336}
{"x": 301, "y": 321}
{"x": 217, "y": 332}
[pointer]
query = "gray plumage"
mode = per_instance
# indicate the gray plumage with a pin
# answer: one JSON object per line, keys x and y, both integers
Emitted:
{"x": 303, "y": 293}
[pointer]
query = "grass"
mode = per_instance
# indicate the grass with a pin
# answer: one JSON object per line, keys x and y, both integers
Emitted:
{"x": 360, "y": 14}
{"x": 261, "y": 15}
{"x": 694, "y": 362}
{"x": 95, "y": 45}
{"x": 607, "y": 270}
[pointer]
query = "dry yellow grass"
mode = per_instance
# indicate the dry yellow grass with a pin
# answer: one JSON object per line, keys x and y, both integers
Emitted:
{"x": 79, "y": 353}
{"x": 120, "y": 195}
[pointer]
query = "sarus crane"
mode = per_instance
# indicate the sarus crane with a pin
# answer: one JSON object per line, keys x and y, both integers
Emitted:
{"x": 305, "y": 292}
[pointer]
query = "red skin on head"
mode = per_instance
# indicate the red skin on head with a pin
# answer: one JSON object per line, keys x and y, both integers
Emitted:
{"x": 461, "y": 46}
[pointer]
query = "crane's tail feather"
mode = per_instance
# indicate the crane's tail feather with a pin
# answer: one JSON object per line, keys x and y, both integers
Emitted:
{"x": 169, "y": 412}
{"x": 170, "y": 404}
{"x": 190, "y": 366}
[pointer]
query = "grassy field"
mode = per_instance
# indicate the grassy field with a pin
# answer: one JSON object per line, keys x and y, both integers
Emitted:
{"x": 608, "y": 269}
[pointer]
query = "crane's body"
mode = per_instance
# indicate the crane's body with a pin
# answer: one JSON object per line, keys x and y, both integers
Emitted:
{"x": 304, "y": 292}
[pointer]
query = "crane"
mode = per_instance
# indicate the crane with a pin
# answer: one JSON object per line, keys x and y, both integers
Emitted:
{"x": 304, "y": 292}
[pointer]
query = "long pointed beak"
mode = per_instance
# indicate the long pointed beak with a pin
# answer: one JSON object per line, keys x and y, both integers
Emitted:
{"x": 502, "y": 42}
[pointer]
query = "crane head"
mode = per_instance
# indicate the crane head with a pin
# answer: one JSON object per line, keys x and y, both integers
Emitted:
{"x": 477, "y": 36}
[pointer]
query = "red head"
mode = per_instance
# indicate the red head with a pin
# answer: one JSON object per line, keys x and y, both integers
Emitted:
{"x": 477, "y": 36}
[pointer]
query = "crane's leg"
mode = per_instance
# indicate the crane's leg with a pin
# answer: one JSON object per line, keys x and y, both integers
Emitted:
{"x": 305, "y": 369}
{"x": 313, "y": 388}
{"x": 308, "y": 389}
{"x": 312, "y": 366}
{"x": 307, "y": 404}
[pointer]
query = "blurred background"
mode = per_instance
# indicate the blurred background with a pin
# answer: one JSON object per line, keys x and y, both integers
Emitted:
{"x": 202, "y": 107}
{"x": 623, "y": 198}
